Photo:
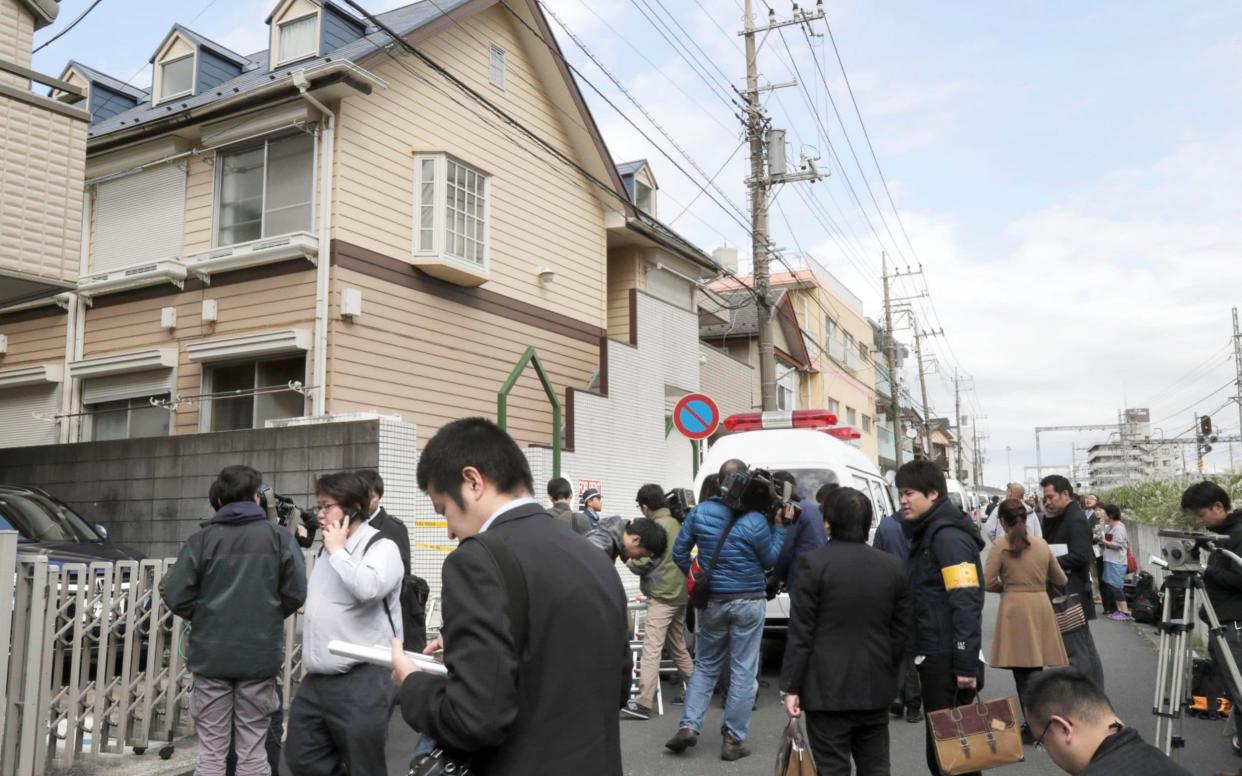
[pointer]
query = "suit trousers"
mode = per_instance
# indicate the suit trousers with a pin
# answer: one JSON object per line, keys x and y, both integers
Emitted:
{"x": 232, "y": 713}
{"x": 836, "y": 736}
{"x": 664, "y": 627}
{"x": 940, "y": 691}
{"x": 338, "y": 723}
{"x": 909, "y": 692}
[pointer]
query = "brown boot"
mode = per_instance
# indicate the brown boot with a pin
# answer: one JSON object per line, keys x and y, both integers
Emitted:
{"x": 731, "y": 749}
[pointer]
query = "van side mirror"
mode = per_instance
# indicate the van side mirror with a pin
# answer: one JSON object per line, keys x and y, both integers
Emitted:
{"x": 101, "y": 531}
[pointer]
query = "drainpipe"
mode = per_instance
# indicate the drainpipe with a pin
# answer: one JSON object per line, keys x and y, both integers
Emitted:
{"x": 319, "y": 376}
{"x": 75, "y": 335}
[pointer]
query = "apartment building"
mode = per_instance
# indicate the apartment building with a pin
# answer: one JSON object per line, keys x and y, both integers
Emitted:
{"x": 326, "y": 227}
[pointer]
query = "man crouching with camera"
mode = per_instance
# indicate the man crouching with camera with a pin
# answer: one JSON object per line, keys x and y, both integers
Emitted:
{"x": 736, "y": 545}
{"x": 1209, "y": 505}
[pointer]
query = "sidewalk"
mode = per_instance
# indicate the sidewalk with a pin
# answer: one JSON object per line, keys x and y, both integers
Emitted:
{"x": 129, "y": 764}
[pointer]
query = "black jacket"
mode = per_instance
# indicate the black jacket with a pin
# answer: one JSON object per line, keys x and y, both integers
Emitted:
{"x": 392, "y": 528}
{"x": 1222, "y": 578}
{"x": 1126, "y": 754}
{"x": 946, "y": 584}
{"x": 236, "y": 581}
{"x": 553, "y": 711}
{"x": 848, "y": 627}
{"x": 1073, "y": 529}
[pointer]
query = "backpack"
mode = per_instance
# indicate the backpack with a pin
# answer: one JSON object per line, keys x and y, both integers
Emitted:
{"x": 1207, "y": 690}
{"x": 1146, "y": 600}
{"x": 413, "y": 596}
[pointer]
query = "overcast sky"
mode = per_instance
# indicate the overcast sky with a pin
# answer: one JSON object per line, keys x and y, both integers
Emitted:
{"x": 1067, "y": 174}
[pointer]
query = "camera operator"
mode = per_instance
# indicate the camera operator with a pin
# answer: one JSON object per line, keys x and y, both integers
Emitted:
{"x": 235, "y": 581}
{"x": 737, "y": 546}
{"x": 1209, "y": 504}
{"x": 338, "y": 721}
{"x": 806, "y": 534}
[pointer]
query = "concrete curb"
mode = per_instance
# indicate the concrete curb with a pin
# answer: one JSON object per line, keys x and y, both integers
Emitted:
{"x": 181, "y": 763}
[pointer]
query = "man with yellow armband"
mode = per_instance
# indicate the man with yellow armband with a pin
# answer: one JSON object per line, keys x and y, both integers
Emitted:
{"x": 946, "y": 592}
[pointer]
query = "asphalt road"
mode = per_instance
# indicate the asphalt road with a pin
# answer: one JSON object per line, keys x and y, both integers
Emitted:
{"x": 1129, "y": 664}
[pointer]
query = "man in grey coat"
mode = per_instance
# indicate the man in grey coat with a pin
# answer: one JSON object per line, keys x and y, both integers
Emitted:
{"x": 561, "y": 492}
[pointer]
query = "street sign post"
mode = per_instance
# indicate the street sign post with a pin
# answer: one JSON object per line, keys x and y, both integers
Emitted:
{"x": 696, "y": 416}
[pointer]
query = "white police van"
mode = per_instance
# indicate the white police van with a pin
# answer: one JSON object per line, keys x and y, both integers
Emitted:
{"x": 808, "y": 445}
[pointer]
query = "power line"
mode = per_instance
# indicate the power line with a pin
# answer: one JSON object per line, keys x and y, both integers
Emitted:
{"x": 71, "y": 25}
{"x": 722, "y": 94}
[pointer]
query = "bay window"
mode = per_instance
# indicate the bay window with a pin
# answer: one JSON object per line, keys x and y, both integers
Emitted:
{"x": 451, "y": 213}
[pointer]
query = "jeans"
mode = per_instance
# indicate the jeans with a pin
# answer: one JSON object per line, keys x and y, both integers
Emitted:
{"x": 729, "y": 632}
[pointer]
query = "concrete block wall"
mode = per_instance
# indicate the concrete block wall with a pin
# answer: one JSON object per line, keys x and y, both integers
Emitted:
{"x": 152, "y": 493}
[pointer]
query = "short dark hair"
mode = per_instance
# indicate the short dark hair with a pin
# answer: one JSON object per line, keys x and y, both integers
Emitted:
{"x": 651, "y": 535}
{"x": 922, "y": 475}
{"x": 213, "y": 496}
{"x": 1112, "y": 510}
{"x": 732, "y": 465}
{"x": 651, "y": 496}
{"x": 349, "y": 490}
{"x": 709, "y": 488}
{"x": 373, "y": 480}
{"x": 236, "y": 483}
{"x": 559, "y": 489}
{"x": 1205, "y": 495}
{"x": 1059, "y": 484}
{"x": 1065, "y": 692}
{"x": 848, "y": 515}
{"x": 476, "y": 442}
{"x": 824, "y": 490}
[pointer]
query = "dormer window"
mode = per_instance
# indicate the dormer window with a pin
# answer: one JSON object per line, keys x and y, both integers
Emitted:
{"x": 176, "y": 77}
{"x": 643, "y": 198}
{"x": 298, "y": 38}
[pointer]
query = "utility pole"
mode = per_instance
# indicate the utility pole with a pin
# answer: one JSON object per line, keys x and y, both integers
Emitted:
{"x": 762, "y": 179}
{"x": 1237, "y": 361}
{"x": 890, "y": 349}
{"x": 957, "y": 426}
{"x": 919, "y": 336}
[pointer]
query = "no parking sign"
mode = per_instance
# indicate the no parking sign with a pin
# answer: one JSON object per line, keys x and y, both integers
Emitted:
{"x": 696, "y": 416}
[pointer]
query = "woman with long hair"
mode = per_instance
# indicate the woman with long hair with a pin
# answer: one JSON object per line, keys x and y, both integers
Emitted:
{"x": 1021, "y": 568}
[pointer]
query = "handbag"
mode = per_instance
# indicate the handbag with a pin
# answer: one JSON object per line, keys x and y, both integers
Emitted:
{"x": 1069, "y": 613}
{"x": 698, "y": 583}
{"x": 440, "y": 762}
{"x": 1131, "y": 562}
{"x": 977, "y": 736}
{"x": 793, "y": 758}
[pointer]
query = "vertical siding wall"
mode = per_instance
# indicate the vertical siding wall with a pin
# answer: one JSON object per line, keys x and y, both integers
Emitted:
{"x": 542, "y": 213}
{"x": 268, "y": 303}
{"x": 431, "y": 360}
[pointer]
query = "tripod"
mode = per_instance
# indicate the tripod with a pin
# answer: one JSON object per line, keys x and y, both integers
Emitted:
{"x": 1184, "y": 593}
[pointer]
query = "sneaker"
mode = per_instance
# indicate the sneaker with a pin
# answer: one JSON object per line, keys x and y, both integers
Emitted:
{"x": 635, "y": 710}
{"x": 1118, "y": 617}
{"x": 685, "y": 738}
{"x": 913, "y": 715}
{"x": 731, "y": 749}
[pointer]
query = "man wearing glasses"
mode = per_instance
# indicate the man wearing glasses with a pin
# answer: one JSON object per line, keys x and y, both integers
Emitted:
{"x": 338, "y": 721}
{"x": 1077, "y": 727}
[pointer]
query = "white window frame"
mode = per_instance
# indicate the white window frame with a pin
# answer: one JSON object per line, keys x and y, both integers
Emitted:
{"x": 280, "y": 38}
{"x": 438, "y": 248}
{"x": 218, "y": 188}
{"x": 193, "y": 55}
{"x": 848, "y": 412}
{"x": 208, "y": 369}
{"x": 495, "y": 54}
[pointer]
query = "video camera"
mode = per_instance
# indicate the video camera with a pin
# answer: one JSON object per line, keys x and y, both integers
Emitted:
{"x": 680, "y": 502}
{"x": 285, "y": 510}
{"x": 1181, "y": 553}
{"x": 756, "y": 491}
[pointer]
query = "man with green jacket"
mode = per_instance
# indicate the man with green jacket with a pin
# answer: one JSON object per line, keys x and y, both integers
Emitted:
{"x": 235, "y": 581}
{"x": 664, "y": 585}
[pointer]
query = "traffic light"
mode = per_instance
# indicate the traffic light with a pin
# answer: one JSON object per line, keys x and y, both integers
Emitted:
{"x": 1205, "y": 426}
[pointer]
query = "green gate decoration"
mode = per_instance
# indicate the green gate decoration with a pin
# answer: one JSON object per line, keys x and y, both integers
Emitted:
{"x": 531, "y": 356}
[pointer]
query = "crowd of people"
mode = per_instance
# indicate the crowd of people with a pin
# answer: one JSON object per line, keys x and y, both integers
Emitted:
{"x": 536, "y": 630}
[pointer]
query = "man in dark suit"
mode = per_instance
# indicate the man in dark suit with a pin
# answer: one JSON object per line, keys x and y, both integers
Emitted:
{"x": 413, "y": 589}
{"x": 1068, "y": 531}
{"x": 534, "y": 629}
{"x": 847, "y": 635}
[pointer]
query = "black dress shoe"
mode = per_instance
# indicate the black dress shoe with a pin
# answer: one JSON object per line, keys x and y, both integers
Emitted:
{"x": 913, "y": 715}
{"x": 895, "y": 708}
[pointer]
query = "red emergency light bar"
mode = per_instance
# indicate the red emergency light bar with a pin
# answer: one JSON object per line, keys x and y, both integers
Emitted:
{"x": 755, "y": 421}
{"x": 844, "y": 433}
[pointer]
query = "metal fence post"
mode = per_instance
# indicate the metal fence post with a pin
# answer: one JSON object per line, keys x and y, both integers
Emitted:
{"x": 8, "y": 592}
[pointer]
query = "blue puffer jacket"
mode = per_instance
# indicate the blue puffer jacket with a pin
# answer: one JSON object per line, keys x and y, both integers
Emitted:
{"x": 752, "y": 547}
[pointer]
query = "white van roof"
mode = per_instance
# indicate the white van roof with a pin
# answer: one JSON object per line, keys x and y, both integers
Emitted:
{"x": 796, "y": 448}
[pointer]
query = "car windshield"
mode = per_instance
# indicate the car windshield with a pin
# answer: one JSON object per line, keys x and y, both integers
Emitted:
{"x": 956, "y": 498}
{"x": 40, "y": 519}
{"x": 811, "y": 480}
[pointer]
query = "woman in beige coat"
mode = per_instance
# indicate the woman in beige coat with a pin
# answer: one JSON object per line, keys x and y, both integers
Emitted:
{"x": 1021, "y": 567}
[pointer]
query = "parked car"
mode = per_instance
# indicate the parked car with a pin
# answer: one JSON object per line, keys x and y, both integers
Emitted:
{"x": 47, "y": 526}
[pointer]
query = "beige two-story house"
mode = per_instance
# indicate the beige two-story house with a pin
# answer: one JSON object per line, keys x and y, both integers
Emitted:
{"x": 335, "y": 225}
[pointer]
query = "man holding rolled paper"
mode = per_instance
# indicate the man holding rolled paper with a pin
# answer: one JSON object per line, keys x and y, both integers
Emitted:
{"x": 533, "y": 618}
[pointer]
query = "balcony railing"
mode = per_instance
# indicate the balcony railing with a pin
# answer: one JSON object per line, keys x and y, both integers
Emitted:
{"x": 43, "y": 156}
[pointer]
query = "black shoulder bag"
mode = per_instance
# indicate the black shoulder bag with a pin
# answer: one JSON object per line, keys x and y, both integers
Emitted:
{"x": 440, "y": 762}
{"x": 700, "y": 574}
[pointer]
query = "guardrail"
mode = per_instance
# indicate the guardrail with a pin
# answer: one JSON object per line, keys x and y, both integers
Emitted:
{"x": 95, "y": 661}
